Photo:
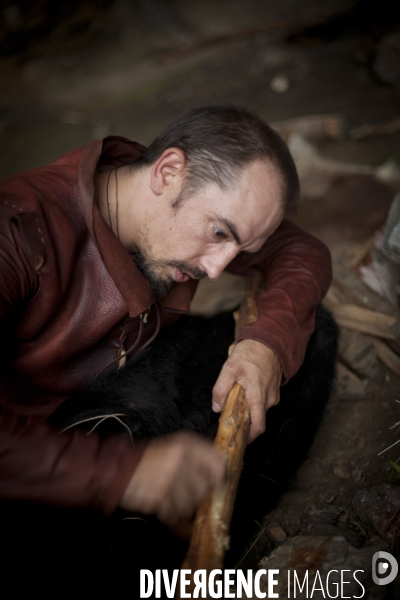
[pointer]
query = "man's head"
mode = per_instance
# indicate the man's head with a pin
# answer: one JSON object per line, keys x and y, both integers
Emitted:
{"x": 218, "y": 143}
{"x": 216, "y": 182}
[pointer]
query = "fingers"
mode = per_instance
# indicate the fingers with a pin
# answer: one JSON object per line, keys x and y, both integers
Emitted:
{"x": 258, "y": 412}
{"x": 257, "y": 421}
{"x": 258, "y": 370}
{"x": 175, "y": 475}
{"x": 201, "y": 470}
{"x": 226, "y": 380}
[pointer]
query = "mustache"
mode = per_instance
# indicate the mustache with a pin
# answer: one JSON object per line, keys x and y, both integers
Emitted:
{"x": 193, "y": 271}
{"x": 145, "y": 264}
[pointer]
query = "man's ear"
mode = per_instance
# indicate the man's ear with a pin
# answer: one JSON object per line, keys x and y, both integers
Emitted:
{"x": 168, "y": 171}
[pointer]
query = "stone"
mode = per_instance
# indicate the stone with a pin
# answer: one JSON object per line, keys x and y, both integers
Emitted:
{"x": 309, "y": 554}
{"x": 357, "y": 351}
{"x": 276, "y": 532}
{"x": 290, "y": 521}
{"x": 321, "y": 522}
{"x": 348, "y": 384}
{"x": 341, "y": 471}
{"x": 330, "y": 522}
{"x": 380, "y": 507}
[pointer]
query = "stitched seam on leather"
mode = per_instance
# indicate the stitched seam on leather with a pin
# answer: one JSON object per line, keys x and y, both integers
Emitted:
{"x": 16, "y": 220}
{"x": 37, "y": 291}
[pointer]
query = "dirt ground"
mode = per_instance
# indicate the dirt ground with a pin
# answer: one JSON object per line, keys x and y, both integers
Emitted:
{"x": 132, "y": 67}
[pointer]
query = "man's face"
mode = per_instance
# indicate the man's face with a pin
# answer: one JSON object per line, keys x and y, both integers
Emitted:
{"x": 209, "y": 228}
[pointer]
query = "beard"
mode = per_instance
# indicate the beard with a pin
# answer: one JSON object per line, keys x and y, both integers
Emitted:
{"x": 151, "y": 268}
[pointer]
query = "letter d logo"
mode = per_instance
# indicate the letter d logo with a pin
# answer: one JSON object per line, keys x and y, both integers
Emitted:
{"x": 386, "y": 566}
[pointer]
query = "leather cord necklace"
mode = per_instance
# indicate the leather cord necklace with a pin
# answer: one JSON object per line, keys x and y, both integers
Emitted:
{"x": 116, "y": 202}
{"x": 115, "y": 170}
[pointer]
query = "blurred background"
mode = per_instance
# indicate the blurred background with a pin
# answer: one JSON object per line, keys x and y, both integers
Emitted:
{"x": 76, "y": 71}
{"x": 327, "y": 76}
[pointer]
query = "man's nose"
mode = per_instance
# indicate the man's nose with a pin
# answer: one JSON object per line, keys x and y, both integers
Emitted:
{"x": 215, "y": 264}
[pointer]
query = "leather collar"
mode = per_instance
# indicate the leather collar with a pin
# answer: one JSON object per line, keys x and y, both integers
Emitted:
{"x": 132, "y": 285}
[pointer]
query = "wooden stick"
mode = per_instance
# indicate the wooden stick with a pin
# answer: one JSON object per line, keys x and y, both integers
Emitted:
{"x": 365, "y": 320}
{"x": 357, "y": 307}
{"x": 210, "y": 538}
{"x": 357, "y": 253}
{"x": 387, "y": 356}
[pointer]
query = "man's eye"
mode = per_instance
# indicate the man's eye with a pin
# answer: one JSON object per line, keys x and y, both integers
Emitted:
{"x": 219, "y": 233}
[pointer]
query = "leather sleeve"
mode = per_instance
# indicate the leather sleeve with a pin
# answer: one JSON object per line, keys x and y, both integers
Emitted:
{"x": 298, "y": 271}
{"x": 35, "y": 462}
{"x": 68, "y": 469}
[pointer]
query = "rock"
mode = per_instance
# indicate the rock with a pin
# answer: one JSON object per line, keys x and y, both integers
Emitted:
{"x": 348, "y": 384}
{"x": 319, "y": 553}
{"x": 341, "y": 471}
{"x": 380, "y": 507}
{"x": 330, "y": 522}
{"x": 290, "y": 521}
{"x": 276, "y": 532}
{"x": 321, "y": 522}
{"x": 357, "y": 351}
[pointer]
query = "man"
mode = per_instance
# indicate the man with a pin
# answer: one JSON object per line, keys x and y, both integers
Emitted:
{"x": 105, "y": 246}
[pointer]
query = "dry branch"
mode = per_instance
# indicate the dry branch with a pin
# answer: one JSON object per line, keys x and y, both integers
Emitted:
{"x": 359, "y": 293}
{"x": 370, "y": 129}
{"x": 365, "y": 320}
{"x": 355, "y": 306}
{"x": 387, "y": 356}
{"x": 357, "y": 253}
{"x": 311, "y": 127}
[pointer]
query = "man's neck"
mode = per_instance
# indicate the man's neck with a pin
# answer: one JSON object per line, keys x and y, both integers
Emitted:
{"x": 117, "y": 189}
{"x": 106, "y": 196}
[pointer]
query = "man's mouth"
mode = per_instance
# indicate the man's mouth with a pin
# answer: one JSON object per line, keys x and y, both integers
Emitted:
{"x": 181, "y": 276}
{"x": 184, "y": 271}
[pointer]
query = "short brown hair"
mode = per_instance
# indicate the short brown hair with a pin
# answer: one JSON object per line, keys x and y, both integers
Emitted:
{"x": 218, "y": 142}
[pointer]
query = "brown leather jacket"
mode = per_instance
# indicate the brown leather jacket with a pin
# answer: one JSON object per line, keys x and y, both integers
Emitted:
{"x": 72, "y": 302}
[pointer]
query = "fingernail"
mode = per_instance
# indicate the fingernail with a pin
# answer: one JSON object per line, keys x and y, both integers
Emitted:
{"x": 216, "y": 407}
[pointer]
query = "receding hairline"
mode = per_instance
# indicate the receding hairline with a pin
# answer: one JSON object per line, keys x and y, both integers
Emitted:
{"x": 219, "y": 142}
{"x": 189, "y": 187}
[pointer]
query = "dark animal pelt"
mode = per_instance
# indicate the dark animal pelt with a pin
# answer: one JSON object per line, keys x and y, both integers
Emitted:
{"x": 168, "y": 386}
{"x": 164, "y": 389}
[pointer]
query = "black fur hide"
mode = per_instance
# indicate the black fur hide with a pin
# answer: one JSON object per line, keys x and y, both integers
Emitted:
{"x": 168, "y": 386}
{"x": 164, "y": 389}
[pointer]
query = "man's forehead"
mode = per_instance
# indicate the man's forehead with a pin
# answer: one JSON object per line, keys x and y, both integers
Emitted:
{"x": 250, "y": 206}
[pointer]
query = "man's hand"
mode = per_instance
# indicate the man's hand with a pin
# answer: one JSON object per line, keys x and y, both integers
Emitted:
{"x": 176, "y": 473}
{"x": 258, "y": 370}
